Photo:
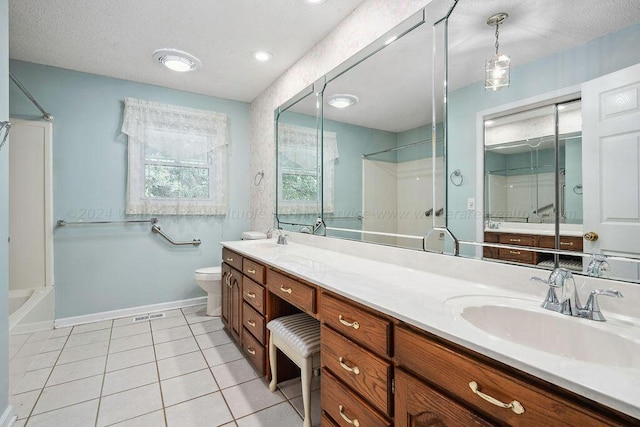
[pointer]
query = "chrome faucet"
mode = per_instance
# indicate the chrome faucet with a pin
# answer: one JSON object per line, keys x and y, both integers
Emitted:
{"x": 270, "y": 232}
{"x": 282, "y": 238}
{"x": 569, "y": 301}
{"x": 597, "y": 266}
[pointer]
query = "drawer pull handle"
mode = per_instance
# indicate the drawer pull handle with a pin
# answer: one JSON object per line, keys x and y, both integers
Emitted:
{"x": 229, "y": 259}
{"x": 354, "y": 324}
{"x": 251, "y": 351}
{"x": 354, "y": 422}
{"x": 283, "y": 289}
{"x": 251, "y": 323}
{"x": 251, "y": 294}
{"x": 346, "y": 367}
{"x": 251, "y": 271}
{"x": 515, "y": 406}
{"x": 514, "y": 252}
{"x": 566, "y": 243}
{"x": 515, "y": 240}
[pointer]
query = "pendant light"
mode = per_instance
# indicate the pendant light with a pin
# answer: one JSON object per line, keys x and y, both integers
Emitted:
{"x": 497, "y": 66}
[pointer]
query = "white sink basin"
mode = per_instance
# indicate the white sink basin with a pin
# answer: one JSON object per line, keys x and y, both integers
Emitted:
{"x": 261, "y": 244}
{"x": 524, "y": 322}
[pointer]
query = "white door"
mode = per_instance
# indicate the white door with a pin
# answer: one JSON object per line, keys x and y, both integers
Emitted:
{"x": 610, "y": 159}
{"x": 30, "y": 219}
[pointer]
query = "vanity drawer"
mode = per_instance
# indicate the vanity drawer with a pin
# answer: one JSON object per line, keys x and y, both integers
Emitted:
{"x": 361, "y": 326}
{"x": 327, "y": 421}
{"x": 290, "y": 290}
{"x": 363, "y": 371}
{"x": 254, "y": 350}
{"x": 232, "y": 258}
{"x": 517, "y": 239}
{"x": 453, "y": 372}
{"x": 253, "y": 294}
{"x": 254, "y": 270}
{"x": 345, "y": 407}
{"x": 567, "y": 243}
{"x": 516, "y": 255}
{"x": 253, "y": 322}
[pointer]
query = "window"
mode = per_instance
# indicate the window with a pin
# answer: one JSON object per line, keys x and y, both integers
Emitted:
{"x": 177, "y": 159}
{"x": 298, "y": 169}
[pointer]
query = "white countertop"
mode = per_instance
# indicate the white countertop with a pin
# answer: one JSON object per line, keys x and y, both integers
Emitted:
{"x": 433, "y": 302}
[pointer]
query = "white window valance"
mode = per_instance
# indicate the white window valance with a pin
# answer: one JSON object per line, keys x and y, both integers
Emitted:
{"x": 186, "y": 148}
{"x": 298, "y": 152}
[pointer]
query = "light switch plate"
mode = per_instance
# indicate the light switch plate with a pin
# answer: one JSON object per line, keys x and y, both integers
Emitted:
{"x": 471, "y": 204}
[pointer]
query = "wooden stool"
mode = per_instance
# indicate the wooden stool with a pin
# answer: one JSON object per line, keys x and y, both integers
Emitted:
{"x": 298, "y": 337}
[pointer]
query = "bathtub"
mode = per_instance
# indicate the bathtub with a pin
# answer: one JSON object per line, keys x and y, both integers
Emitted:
{"x": 31, "y": 310}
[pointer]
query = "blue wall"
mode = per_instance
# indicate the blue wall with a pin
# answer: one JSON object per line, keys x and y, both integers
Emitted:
{"x": 108, "y": 267}
{"x": 4, "y": 211}
{"x": 572, "y": 67}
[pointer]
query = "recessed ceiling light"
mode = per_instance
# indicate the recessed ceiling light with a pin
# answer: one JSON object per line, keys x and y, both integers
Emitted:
{"x": 489, "y": 122}
{"x": 391, "y": 40}
{"x": 342, "y": 100}
{"x": 176, "y": 60}
{"x": 315, "y": 1}
{"x": 561, "y": 107}
{"x": 262, "y": 55}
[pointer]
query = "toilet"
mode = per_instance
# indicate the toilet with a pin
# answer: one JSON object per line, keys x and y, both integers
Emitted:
{"x": 209, "y": 279}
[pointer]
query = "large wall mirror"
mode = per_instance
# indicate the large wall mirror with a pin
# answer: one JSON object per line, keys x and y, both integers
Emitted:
{"x": 538, "y": 156}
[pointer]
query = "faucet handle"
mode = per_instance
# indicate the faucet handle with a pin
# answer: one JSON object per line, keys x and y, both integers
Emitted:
{"x": 551, "y": 301}
{"x": 592, "y": 309}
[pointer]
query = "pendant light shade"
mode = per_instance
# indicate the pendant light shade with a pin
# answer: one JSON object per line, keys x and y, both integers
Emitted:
{"x": 497, "y": 66}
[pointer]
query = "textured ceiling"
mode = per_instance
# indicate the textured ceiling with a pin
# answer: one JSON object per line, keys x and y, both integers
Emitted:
{"x": 116, "y": 38}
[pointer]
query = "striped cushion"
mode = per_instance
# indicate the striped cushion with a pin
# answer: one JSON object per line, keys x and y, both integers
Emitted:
{"x": 300, "y": 331}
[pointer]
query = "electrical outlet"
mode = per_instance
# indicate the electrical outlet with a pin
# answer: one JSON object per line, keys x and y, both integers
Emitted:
{"x": 471, "y": 204}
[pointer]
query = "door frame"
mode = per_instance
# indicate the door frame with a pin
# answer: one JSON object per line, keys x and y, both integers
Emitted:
{"x": 48, "y": 192}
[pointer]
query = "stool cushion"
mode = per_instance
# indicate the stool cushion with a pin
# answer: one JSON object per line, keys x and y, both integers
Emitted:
{"x": 300, "y": 331}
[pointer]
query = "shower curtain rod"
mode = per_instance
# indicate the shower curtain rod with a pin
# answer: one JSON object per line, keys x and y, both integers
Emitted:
{"x": 48, "y": 117}
{"x": 402, "y": 147}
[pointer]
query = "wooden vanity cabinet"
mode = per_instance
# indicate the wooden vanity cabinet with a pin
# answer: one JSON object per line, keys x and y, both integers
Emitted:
{"x": 523, "y": 256}
{"x": 232, "y": 301}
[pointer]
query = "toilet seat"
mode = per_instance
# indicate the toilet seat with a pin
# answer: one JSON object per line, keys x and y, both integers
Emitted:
{"x": 209, "y": 273}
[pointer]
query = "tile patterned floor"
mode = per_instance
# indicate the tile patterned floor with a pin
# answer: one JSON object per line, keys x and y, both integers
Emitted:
{"x": 179, "y": 371}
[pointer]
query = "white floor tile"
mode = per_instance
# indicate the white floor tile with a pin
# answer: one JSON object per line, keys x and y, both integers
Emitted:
{"x": 129, "y": 404}
{"x": 32, "y": 380}
{"x": 154, "y": 419}
{"x": 180, "y": 365}
{"x": 19, "y": 339}
{"x": 13, "y": 350}
{"x": 222, "y": 354}
{"x": 129, "y": 330}
{"x": 129, "y": 343}
{"x": 209, "y": 410}
{"x": 198, "y": 316}
{"x": 29, "y": 349}
{"x": 126, "y": 321}
{"x": 316, "y": 412}
{"x": 126, "y": 359}
{"x": 86, "y": 338}
{"x": 82, "y": 352}
{"x": 61, "y": 332}
{"x": 88, "y": 327}
{"x": 67, "y": 394}
{"x": 23, "y": 403}
{"x": 171, "y": 334}
{"x": 44, "y": 360}
{"x": 207, "y": 326}
{"x": 293, "y": 387}
{"x": 126, "y": 379}
{"x": 172, "y": 313}
{"x": 176, "y": 348}
{"x": 77, "y": 370}
{"x": 194, "y": 308}
{"x": 14, "y": 380}
{"x": 279, "y": 415}
{"x": 20, "y": 365}
{"x": 189, "y": 386}
{"x": 80, "y": 415}
{"x": 250, "y": 397}
{"x": 213, "y": 339}
{"x": 40, "y": 336}
{"x": 23, "y": 422}
{"x": 233, "y": 373}
{"x": 168, "y": 322}
{"x": 52, "y": 344}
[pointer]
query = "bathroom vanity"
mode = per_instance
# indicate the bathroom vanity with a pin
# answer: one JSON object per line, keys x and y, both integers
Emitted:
{"x": 396, "y": 348}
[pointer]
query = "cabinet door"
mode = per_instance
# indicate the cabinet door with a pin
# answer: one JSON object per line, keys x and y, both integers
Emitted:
{"x": 226, "y": 296}
{"x": 235, "y": 306}
{"x": 418, "y": 405}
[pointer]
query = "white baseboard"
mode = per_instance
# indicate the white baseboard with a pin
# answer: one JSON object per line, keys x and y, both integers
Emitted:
{"x": 30, "y": 328}
{"x": 8, "y": 418}
{"x": 127, "y": 312}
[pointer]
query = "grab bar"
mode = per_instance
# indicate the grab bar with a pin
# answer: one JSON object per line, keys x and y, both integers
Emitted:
{"x": 156, "y": 229}
{"x": 62, "y": 222}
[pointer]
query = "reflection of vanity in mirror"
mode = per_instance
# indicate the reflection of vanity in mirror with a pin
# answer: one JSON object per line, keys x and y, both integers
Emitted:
{"x": 527, "y": 174}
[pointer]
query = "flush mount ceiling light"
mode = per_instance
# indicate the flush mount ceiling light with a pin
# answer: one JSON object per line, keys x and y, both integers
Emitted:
{"x": 497, "y": 66}
{"x": 342, "y": 100}
{"x": 261, "y": 55}
{"x": 176, "y": 60}
{"x": 314, "y": 1}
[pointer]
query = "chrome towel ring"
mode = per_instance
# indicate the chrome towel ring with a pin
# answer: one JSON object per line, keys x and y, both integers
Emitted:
{"x": 456, "y": 178}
